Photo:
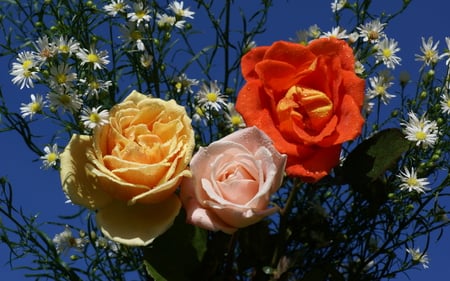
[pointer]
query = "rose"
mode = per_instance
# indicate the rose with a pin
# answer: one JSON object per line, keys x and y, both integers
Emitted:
{"x": 308, "y": 99}
{"x": 232, "y": 181}
{"x": 129, "y": 169}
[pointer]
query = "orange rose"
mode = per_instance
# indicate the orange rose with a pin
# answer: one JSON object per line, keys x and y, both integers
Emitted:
{"x": 129, "y": 169}
{"x": 308, "y": 99}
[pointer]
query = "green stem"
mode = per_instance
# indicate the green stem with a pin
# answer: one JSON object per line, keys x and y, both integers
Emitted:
{"x": 282, "y": 237}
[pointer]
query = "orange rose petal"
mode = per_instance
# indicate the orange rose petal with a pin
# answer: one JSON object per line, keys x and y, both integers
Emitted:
{"x": 334, "y": 47}
{"x": 76, "y": 182}
{"x": 294, "y": 54}
{"x": 353, "y": 86}
{"x": 248, "y": 62}
{"x": 315, "y": 167}
{"x": 139, "y": 224}
{"x": 276, "y": 74}
{"x": 350, "y": 123}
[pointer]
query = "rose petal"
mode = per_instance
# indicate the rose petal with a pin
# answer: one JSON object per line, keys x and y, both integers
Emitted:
{"x": 249, "y": 61}
{"x": 76, "y": 182}
{"x": 139, "y": 224}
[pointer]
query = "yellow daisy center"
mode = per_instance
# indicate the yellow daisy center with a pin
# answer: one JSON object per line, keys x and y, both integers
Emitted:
{"x": 64, "y": 99}
{"x": 412, "y": 182}
{"x": 421, "y": 135}
{"x": 211, "y": 97}
{"x": 140, "y": 14}
{"x": 27, "y": 64}
{"x": 64, "y": 48}
{"x": 92, "y": 58}
{"x": 51, "y": 157}
{"x": 387, "y": 53}
{"x": 61, "y": 78}
{"x": 94, "y": 118}
{"x": 236, "y": 120}
{"x": 35, "y": 107}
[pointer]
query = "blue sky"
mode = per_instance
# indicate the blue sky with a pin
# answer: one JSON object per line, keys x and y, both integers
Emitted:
{"x": 38, "y": 191}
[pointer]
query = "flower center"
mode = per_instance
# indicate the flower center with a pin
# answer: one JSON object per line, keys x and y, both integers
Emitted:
{"x": 421, "y": 135}
{"x": 211, "y": 97}
{"x": 140, "y": 14}
{"x": 307, "y": 108}
{"x": 61, "y": 78}
{"x": 412, "y": 182}
{"x": 27, "y": 64}
{"x": 51, "y": 157}
{"x": 64, "y": 99}
{"x": 94, "y": 118}
{"x": 93, "y": 58}
{"x": 35, "y": 107}
{"x": 136, "y": 35}
{"x": 387, "y": 53}
{"x": 64, "y": 48}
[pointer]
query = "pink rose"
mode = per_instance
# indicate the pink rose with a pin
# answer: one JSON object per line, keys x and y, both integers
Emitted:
{"x": 232, "y": 181}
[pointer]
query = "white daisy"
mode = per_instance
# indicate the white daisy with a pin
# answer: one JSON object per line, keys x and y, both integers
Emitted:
{"x": 233, "y": 117}
{"x": 410, "y": 182}
{"x": 445, "y": 102}
{"x": 33, "y": 107}
{"x": 447, "y": 51}
{"x": 419, "y": 257}
{"x": 378, "y": 88}
{"x": 139, "y": 15}
{"x": 93, "y": 117}
{"x": 371, "y": 31}
{"x": 65, "y": 100}
{"x": 64, "y": 241}
{"x": 386, "y": 53}
{"x": 211, "y": 97}
{"x": 430, "y": 54}
{"x": 336, "y": 32}
{"x": 95, "y": 86}
{"x": 50, "y": 157}
{"x": 133, "y": 35}
{"x": 44, "y": 49}
{"x": 62, "y": 76}
{"x": 25, "y": 70}
{"x": 421, "y": 131}
{"x": 115, "y": 7}
{"x": 183, "y": 83}
{"x": 337, "y": 5}
{"x": 177, "y": 9}
{"x": 164, "y": 20}
{"x": 67, "y": 46}
{"x": 146, "y": 60}
{"x": 98, "y": 59}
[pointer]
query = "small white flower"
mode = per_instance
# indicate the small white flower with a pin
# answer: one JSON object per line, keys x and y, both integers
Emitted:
{"x": 233, "y": 117}
{"x": 44, "y": 49}
{"x": 139, "y": 15}
{"x": 115, "y": 7}
{"x": 61, "y": 76}
{"x": 336, "y": 32}
{"x": 418, "y": 257}
{"x": 445, "y": 102}
{"x": 211, "y": 97}
{"x": 98, "y": 59}
{"x": 447, "y": 52}
{"x": 32, "y": 108}
{"x": 65, "y": 100}
{"x": 386, "y": 53}
{"x": 25, "y": 70}
{"x": 164, "y": 20}
{"x": 378, "y": 88}
{"x": 65, "y": 241}
{"x": 67, "y": 46}
{"x": 50, "y": 157}
{"x": 410, "y": 182}
{"x": 421, "y": 131}
{"x": 133, "y": 36}
{"x": 337, "y": 5}
{"x": 183, "y": 83}
{"x": 314, "y": 31}
{"x": 430, "y": 54}
{"x": 371, "y": 31}
{"x": 93, "y": 117}
{"x": 95, "y": 86}
{"x": 177, "y": 9}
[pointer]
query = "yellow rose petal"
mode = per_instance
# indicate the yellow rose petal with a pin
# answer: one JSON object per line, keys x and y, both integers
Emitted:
{"x": 139, "y": 224}
{"x": 77, "y": 183}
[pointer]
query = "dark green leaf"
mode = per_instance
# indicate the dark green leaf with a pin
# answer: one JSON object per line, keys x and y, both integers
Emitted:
{"x": 177, "y": 254}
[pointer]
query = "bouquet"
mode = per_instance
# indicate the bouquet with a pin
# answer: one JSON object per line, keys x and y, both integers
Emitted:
{"x": 188, "y": 151}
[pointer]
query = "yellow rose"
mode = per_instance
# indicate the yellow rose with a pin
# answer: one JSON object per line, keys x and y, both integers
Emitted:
{"x": 129, "y": 169}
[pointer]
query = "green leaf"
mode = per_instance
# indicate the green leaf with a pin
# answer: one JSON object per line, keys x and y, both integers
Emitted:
{"x": 177, "y": 254}
{"x": 374, "y": 156}
{"x": 370, "y": 160}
